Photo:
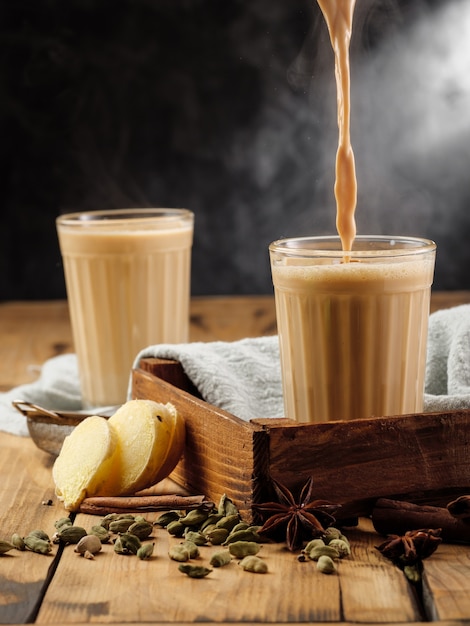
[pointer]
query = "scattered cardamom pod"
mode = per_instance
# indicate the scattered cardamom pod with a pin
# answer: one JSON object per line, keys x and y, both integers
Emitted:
{"x": 229, "y": 521}
{"x": 120, "y": 525}
{"x": 166, "y": 518}
{"x": 179, "y": 553}
{"x": 141, "y": 529}
{"x": 88, "y": 543}
{"x": 130, "y": 543}
{"x": 113, "y": 517}
{"x": 216, "y": 536}
{"x": 69, "y": 534}
{"x": 5, "y": 546}
{"x": 243, "y": 535}
{"x": 192, "y": 548}
{"x": 313, "y": 543}
{"x": 319, "y": 551}
{"x": 221, "y": 558}
{"x": 176, "y": 528}
{"x": 240, "y": 549}
{"x": 194, "y": 571}
{"x": 194, "y": 518}
{"x": 101, "y": 532}
{"x": 331, "y": 533}
{"x": 326, "y": 565}
{"x": 18, "y": 542}
{"x": 196, "y": 537}
{"x": 118, "y": 547}
{"x": 254, "y": 564}
{"x": 40, "y": 546}
{"x": 342, "y": 546}
{"x": 226, "y": 506}
{"x": 39, "y": 534}
{"x": 145, "y": 551}
{"x": 240, "y": 526}
{"x": 63, "y": 521}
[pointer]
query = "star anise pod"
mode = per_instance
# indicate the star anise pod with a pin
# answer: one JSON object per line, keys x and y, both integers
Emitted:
{"x": 412, "y": 547}
{"x": 299, "y": 521}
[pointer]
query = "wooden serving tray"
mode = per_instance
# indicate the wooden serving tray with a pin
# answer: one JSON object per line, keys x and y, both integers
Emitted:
{"x": 422, "y": 458}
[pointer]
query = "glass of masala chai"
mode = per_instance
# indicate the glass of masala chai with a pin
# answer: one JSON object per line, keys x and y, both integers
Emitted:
{"x": 352, "y": 326}
{"x": 127, "y": 273}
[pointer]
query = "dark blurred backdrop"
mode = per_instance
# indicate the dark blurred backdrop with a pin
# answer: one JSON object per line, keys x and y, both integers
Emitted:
{"x": 227, "y": 107}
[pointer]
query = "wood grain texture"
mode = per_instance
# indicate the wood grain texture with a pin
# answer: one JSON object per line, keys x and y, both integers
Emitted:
{"x": 419, "y": 458}
{"x": 25, "y": 485}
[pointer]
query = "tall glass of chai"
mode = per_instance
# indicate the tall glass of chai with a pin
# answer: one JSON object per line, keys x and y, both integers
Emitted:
{"x": 352, "y": 326}
{"x": 127, "y": 274}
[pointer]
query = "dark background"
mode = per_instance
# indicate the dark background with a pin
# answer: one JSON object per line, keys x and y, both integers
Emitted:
{"x": 227, "y": 107}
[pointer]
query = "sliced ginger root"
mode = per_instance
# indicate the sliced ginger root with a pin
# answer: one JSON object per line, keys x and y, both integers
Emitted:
{"x": 137, "y": 447}
{"x": 149, "y": 441}
{"x": 87, "y": 464}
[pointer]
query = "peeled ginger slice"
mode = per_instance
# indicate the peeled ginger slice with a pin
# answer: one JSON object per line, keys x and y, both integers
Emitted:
{"x": 86, "y": 465}
{"x": 145, "y": 431}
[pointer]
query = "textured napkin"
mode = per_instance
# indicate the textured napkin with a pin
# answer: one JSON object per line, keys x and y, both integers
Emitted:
{"x": 244, "y": 378}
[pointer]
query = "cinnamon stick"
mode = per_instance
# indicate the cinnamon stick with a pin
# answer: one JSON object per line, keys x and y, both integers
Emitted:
{"x": 395, "y": 517}
{"x": 102, "y": 505}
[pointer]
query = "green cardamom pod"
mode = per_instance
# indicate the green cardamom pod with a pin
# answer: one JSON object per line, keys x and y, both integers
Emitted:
{"x": 5, "y": 546}
{"x": 130, "y": 542}
{"x": 63, "y": 521}
{"x": 166, "y": 518}
{"x": 221, "y": 558}
{"x": 39, "y": 534}
{"x": 141, "y": 529}
{"x": 196, "y": 537}
{"x": 118, "y": 547}
{"x": 240, "y": 549}
{"x": 226, "y": 506}
{"x": 216, "y": 536}
{"x": 70, "y": 534}
{"x": 313, "y": 543}
{"x": 254, "y": 564}
{"x": 194, "y": 571}
{"x": 40, "y": 546}
{"x": 101, "y": 532}
{"x": 326, "y": 565}
{"x": 145, "y": 551}
{"x": 192, "y": 548}
{"x": 228, "y": 522}
{"x": 319, "y": 551}
{"x": 176, "y": 528}
{"x": 194, "y": 518}
{"x": 243, "y": 535}
{"x": 18, "y": 541}
{"x": 342, "y": 546}
{"x": 179, "y": 553}
{"x": 331, "y": 533}
{"x": 112, "y": 517}
{"x": 120, "y": 525}
{"x": 240, "y": 526}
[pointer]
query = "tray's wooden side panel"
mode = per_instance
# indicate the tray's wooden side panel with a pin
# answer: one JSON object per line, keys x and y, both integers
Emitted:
{"x": 419, "y": 458}
{"x": 223, "y": 454}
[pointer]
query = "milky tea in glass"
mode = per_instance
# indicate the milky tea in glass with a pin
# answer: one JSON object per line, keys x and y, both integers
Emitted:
{"x": 352, "y": 331}
{"x": 127, "y": 274}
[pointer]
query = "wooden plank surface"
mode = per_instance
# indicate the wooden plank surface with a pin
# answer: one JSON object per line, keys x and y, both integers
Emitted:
{"x": 367, "y": 589}
{"x": 26, "y": 484}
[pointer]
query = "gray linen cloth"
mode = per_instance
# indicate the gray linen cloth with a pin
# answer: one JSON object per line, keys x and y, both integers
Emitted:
{"x": 244, "y": 377}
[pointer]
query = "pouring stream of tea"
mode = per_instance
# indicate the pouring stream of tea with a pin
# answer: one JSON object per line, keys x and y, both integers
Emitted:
{"x": 338, "y": 15}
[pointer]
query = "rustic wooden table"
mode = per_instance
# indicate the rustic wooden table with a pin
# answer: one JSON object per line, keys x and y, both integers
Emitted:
{"x": 64, "y": 588}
